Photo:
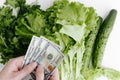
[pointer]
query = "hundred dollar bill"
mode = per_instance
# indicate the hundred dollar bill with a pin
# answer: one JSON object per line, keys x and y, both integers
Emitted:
{"x": 31, "y": 49}
{"x": 44, "y": 52}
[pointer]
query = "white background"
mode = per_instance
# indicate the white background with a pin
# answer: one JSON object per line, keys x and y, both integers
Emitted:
{"x": 111, "y": 57}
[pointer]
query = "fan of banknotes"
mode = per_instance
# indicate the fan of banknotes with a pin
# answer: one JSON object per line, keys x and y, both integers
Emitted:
{"x": 44, "y": 52}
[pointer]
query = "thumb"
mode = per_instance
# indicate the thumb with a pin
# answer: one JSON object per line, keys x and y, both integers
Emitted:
{"x": 27, "y": 70}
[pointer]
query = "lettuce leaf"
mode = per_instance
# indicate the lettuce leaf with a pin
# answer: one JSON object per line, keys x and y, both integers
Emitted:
{"x": 77, "y": 21}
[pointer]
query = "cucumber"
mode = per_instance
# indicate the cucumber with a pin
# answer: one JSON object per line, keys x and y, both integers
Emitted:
{"x": 89, "y": 43}
{"x": 102, "y": 37}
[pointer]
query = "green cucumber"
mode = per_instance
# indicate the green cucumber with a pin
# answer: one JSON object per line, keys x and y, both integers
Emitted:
{"x": 89, "y": 43}
{"x": 102, "y": 38}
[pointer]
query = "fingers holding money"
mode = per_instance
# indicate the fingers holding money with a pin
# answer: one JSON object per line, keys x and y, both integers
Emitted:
{"x": 40, "y": 73}
{"x": 45, "y": 53}
{"x": 27, "y": 70}
{"x": 55, "y": 75}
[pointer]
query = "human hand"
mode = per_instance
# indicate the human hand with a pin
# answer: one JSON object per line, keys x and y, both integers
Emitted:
{"x": 40, "y": 74}
{"x": 13, "y": 71}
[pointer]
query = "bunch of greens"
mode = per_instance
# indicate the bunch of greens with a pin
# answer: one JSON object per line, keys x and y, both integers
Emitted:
{"x": 69, "y": 24}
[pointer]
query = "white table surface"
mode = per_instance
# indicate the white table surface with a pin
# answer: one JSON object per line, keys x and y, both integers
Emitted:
{"x": 111, "y": 57}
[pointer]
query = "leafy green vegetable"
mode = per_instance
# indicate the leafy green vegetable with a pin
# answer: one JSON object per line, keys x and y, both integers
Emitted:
{"x": 80, "y": 20}
{"x": 77, "y": 21}
{"x": 16, "y": 32}
{"x": 6, "y": 33}
{"x": 69, "y": 24}
{"x": 15, "y": 3}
